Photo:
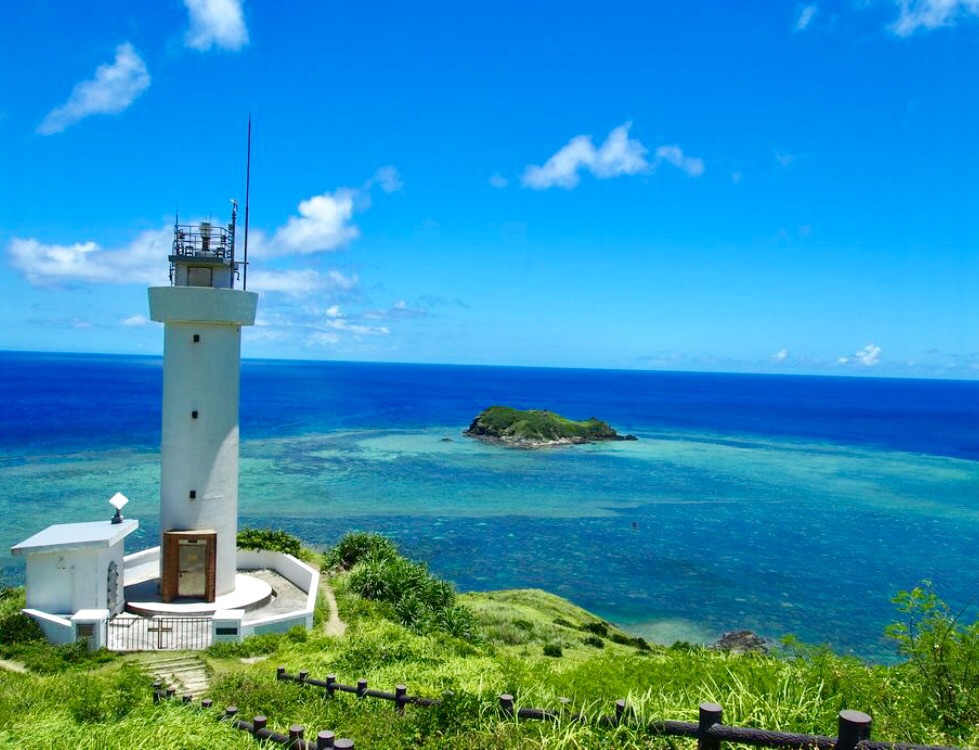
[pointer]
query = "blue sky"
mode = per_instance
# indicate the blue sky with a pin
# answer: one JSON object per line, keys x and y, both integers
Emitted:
{"x": 760, "y": 187}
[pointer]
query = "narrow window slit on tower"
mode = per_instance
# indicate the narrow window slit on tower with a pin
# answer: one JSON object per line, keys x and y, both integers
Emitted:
{"x": 197, "y": 338}
{"x": 193, "y": 494}
{"x": 193, "y": 414}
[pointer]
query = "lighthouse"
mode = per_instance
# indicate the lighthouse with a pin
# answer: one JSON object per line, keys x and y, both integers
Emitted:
{"x": 203, "y": 314}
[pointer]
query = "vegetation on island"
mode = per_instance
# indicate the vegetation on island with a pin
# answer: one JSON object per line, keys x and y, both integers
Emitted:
{"x": 403, "y": 628}
{"x": 538, "y": 427}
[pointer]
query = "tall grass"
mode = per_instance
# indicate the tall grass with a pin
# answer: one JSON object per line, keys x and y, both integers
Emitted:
{"x": 802, "y": 689}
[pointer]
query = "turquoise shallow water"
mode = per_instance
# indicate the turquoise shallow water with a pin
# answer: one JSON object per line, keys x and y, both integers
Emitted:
{"x": 780, "y": 504}
{"x": 677, "y": 536}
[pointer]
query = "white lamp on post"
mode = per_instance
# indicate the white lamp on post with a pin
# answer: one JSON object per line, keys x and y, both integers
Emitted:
{"x": 118, "y": 501}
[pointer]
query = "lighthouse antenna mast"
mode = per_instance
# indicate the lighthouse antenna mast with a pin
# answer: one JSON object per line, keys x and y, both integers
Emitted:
{"x": 248, "y": 182}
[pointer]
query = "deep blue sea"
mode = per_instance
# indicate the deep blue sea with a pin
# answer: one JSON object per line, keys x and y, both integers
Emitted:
{"x": 779, "y": 504}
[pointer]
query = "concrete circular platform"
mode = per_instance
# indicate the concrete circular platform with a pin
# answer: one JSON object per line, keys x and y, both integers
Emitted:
{"x": 143, "y": 598}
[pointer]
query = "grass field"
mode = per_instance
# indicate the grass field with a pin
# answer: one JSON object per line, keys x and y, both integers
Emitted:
{"x": 531, "y": 644}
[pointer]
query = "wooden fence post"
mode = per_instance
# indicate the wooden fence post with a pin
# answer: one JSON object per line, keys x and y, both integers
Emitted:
{"x": 506, "y": 705}
{"x": 187, "y": 698}
{"x": 710, "y": 714}
{"x": 280, "y": 673}
{"x": 331, "y": 681}
{"x": 399, "y": 698}
{"x": 230, "y": 712}
{"x": 361, "y": 688}
{"x": 344, "y": 744}
{"x": 619, "y": 710}
{"x": 854, "y": 726}
{"x": 171, "y": 691}
{"x": 324, "y": 740}
{"x": 207, "y": 703}
{"x": 303, "y": 674}
{"x": 258, "y": 723}
{"x": 296, "y": 732}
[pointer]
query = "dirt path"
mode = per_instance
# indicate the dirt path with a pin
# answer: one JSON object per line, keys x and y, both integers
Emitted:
{"x": 334, "y": 625}
{"x": 13, "y": 666}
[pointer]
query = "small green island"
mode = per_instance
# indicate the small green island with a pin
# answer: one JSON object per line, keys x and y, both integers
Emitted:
{"x": 538, "y": 428}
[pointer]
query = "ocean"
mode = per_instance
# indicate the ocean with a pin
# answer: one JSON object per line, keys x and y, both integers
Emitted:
{"x": 780, "y": 504}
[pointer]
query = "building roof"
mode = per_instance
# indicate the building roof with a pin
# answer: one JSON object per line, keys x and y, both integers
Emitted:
{"x": 61, "y": 537}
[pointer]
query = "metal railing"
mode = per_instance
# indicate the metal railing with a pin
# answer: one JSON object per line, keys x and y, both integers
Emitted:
{"x": 130, "y": 633}
{"x": 204, "y": 240}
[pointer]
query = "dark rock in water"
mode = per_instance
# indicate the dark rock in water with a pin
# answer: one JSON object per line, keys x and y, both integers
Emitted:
{"x": 741, "y": 641}
{"x": 448, "y": 440}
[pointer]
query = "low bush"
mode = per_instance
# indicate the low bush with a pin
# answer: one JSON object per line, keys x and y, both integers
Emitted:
{"x": 358, "y": 546}
{"x": 272, "y": 540}
{"x": 411, "y": 594}
{"x": 944, "y": 652}
{"x": 554, "y": 650}
{"x": 597, "y": 628}
{"x": 253, "y": 645}
{"x": 593, "y": 640}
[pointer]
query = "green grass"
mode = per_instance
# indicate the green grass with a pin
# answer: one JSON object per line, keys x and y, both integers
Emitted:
{"x": 109, "y": 705}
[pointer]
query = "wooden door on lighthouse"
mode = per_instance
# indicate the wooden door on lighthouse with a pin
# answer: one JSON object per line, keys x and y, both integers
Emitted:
{"x": 189, "y": 565}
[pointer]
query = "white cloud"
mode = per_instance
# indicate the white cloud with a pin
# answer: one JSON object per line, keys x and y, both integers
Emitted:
{"x": 931, "y": 14}
{"x": 867, "y": 357}
{"x": 781, "y": 355}
{"x": 134, "y": 321}
{"x": 805, "y": 17}
{"x": 618, "y": 155}
{"x": 299, "y": 282}
{"x": 144, "y": 261}
{"x": 359, "y": 329}
{"x": 112, "y": 90}
{"x": 692, "y": 165}
{"x": 216, "y": 23}
{"x": 324, "y": 338}
{"x": 498, "y": 181}
{"x": 323, "y": 224}
{"x": 400, "y": 310}
{"x": 333, "y": 311}
{"x": 387, "y": 178}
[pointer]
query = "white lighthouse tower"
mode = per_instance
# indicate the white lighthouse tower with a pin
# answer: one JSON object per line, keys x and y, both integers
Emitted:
{"x": 203, "y": 314}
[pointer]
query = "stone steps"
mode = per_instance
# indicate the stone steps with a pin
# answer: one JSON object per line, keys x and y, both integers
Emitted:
{"x": 185, "y": 673}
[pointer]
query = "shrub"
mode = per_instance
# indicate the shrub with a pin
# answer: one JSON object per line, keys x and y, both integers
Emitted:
{"x": 943, "y": 651}
{"x": 597, "y": 627}
{"x": 564, "y": 623}
{"x": 593, "y": 640}
{"x": 553, "y": 649}
{"x": 272, "y": 540}
{"x": 414, "y": 597}
{"x": 253, "y": 645}
{"x": 358, "y": 546}
{"x": 17, "y": 628}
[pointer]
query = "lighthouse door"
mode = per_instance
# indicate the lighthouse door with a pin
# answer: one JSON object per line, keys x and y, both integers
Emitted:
{"x": 189, "y": 565}
{"x": 192, "y": 559}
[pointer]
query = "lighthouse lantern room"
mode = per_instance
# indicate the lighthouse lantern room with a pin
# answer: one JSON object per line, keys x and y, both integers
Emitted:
{"x": 202, "y": 313}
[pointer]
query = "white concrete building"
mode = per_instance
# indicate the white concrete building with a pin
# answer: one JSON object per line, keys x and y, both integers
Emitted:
{"x": 76, "y": 566}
